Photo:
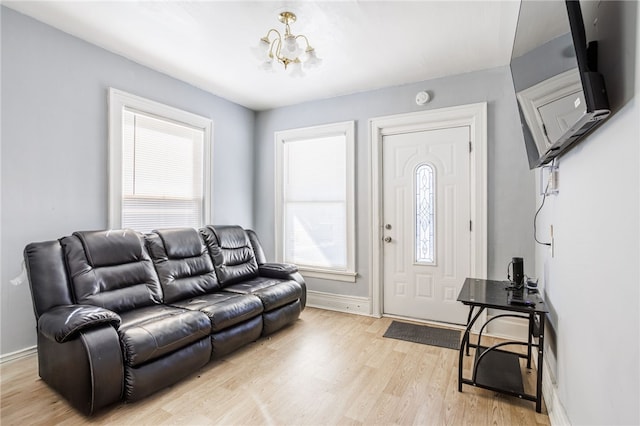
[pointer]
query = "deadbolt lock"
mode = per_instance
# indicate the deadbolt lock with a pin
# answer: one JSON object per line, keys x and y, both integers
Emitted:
{"x": 387, "y": 226}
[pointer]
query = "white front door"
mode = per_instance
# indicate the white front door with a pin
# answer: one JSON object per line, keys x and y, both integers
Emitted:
{"x": 426, "y": 184}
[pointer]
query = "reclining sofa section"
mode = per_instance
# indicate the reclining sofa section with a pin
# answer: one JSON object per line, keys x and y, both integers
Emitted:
{"x": 121, "y": 315}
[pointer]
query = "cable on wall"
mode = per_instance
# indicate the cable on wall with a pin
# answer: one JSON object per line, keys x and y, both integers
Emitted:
{"x": 535, "y": 218}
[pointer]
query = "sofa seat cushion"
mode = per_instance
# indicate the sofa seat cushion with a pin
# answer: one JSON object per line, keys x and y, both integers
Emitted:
{"x": 272, "y": 292}
{"x": 151, "y": 332}
{"x": 224, "y": 309}
{"x": 227, "y": 341}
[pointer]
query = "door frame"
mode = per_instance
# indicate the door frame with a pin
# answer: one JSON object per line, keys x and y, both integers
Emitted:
{"x": 472, "y": 115}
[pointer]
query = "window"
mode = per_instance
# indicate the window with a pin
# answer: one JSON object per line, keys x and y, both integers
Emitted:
{"x": 424, "y": 214}
{"x": 159, "y": 165}
{"x": 315, "y": 226}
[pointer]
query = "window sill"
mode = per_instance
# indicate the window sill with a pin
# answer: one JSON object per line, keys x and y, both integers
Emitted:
{"x": 324, "y": 274}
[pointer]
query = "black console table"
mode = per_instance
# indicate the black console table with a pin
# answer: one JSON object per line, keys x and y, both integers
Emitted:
{"x": 495, "y": 368}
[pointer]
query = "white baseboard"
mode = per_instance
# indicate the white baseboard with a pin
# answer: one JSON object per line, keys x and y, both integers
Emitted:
{"x": 339, "y": 302}
{"x": 507, "y": 328}
{"x": 555, "y": 410}
{"x": 22, "y": 353}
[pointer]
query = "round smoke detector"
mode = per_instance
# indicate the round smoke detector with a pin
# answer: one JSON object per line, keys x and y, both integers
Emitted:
{"x": 422, "y": 97}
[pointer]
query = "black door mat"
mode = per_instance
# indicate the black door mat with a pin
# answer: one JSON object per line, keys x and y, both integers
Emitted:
{"x": 426, "y": 335}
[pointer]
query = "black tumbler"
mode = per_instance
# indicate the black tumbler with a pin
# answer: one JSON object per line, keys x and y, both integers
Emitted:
{"x": 518, "y": 271}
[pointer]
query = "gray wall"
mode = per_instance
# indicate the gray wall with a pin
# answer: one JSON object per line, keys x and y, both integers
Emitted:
{"x": 54, "y": 147}
{"x": 591, "y": 279}
{"x": 510, "y": 183}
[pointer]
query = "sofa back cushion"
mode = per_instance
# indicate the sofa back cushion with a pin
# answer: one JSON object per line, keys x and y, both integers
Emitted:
{"x": 232, "y": 253}
{"x": 111, "y": 269}
{"x": 182, "y": 261}
{"x": 257, "y": 247}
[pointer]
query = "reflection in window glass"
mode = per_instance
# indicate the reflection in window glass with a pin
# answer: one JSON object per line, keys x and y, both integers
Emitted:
{"x": 315, "y": 202}
{"x": 425, "y": 217}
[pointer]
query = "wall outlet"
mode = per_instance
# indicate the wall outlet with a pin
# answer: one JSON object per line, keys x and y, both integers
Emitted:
{"x": 554, "y": 183}
{"x": 549, "y": 180}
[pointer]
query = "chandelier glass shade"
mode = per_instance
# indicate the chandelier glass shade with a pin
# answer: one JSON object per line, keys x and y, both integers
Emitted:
{"x": 285, "y": 48}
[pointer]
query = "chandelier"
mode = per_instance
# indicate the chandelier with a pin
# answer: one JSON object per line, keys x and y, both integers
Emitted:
{"x": 276, "y": 47}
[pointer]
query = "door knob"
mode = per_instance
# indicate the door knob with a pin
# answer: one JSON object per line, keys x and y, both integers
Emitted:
{"x": 387, "y": 239}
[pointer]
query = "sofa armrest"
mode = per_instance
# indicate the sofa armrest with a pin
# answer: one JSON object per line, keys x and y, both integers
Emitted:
{"x": 87, "y": 370}
{"x": 63, "y": 323}
{"x": 277, "y": 270}
{"x": 285, "y": 271}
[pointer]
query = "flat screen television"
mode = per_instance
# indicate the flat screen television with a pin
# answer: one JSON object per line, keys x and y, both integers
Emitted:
{"x": 561, "y": 97}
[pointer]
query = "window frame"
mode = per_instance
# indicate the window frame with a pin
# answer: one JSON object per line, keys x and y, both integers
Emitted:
{"x": 118, "y": 100}
{"x": 347, "y": 129}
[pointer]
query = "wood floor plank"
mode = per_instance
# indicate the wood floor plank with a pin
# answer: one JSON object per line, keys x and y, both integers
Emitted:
{"x": 329, "y": 368}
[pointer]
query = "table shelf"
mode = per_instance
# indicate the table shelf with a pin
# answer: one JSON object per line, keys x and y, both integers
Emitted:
{"x": 498, "y": 370}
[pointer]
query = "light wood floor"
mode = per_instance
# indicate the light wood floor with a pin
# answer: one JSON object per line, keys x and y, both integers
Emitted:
{"x": 328, "y": 368}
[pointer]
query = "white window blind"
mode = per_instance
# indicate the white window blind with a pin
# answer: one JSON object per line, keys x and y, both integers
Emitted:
{"x": 159, "y": 165}
{"x": 315, "y": 200}
{"x": 162, "y": 173}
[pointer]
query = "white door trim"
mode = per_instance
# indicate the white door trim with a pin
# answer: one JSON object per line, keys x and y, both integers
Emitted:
{"x": 474, "y": 116}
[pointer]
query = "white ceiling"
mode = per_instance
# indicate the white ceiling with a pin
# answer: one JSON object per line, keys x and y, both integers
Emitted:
{"x": 364, "y": 44}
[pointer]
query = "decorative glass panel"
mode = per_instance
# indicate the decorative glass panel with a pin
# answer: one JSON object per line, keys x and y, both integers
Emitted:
{"x": 425, "y": 217}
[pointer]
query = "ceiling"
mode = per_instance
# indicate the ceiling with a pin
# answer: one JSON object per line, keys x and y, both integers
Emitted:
{"x": 364, "y": 45}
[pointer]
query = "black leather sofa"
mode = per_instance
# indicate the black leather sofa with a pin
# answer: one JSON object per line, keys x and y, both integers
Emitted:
{"x": 121, "y": 315}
